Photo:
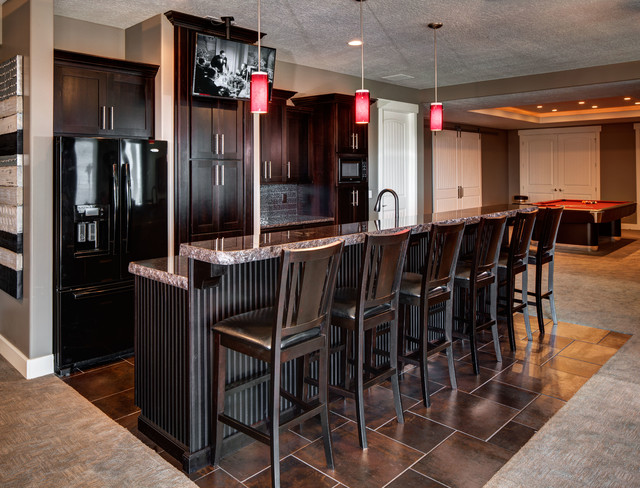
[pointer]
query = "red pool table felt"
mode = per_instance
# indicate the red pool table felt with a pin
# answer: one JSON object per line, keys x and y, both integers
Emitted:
{"x": 579, "y": 205}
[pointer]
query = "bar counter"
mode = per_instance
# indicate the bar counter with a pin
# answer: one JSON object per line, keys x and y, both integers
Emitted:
{"x": 179, "y": 298}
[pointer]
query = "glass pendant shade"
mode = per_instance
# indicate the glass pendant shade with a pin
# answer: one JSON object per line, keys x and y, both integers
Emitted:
{"x": 259, "y": 92}
{"x": 362, "y": 106}
{"x": 436, "y": 116}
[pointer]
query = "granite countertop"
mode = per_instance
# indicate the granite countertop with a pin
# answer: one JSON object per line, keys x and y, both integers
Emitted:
{"x": 172, "y": 271}
{"x": 280, "y": 220}
{"x": 235, "y": 250}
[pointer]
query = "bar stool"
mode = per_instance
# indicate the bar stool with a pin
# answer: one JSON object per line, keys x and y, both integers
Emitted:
{"x": 296, "y": 326}
{"x": 473, "y": 279}
{"x": 511, "y": 264}
{"x": 357, "y": 311}
{"x": 546, "y": 231}
{"x": 432, "y": 287}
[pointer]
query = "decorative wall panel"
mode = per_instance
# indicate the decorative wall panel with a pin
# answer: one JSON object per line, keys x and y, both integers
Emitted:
{"x": 11, "y": 176}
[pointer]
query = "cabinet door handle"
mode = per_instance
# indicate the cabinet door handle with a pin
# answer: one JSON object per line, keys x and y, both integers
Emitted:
{"x": 269, "y": 169}
{"x": 222, "y": 174}
{"x": 215, "y": 178}
{"x": 222, "y": 137}
{"x": 356, "y": 141}
{"x": 111, "y": 118}
{"x": 265, "y": 170}
{"x": 217, "y": 141}
{"x": 288, "y": 169}
{"x": 103, "y": 117}
{"x": 357, "y": 198}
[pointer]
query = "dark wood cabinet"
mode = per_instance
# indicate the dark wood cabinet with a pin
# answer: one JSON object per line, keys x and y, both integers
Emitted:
{"x": 298, "y": 138}
{"x": 102, "y": 97}
{"x": 216, "y": 129}
{"x": 352, "y": 138}
{"x": 353, "y": 203}
{"x": 217, "y": 203}
{"x": 271, "y": 140}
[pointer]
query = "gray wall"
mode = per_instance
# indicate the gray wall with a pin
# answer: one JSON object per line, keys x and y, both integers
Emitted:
{"x": 27, "y": 324}
{"x": 618, "y": 164}
{"x": 495, "y": 167}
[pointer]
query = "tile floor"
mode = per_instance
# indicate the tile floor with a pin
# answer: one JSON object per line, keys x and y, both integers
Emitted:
{"x": 461, "y": 441}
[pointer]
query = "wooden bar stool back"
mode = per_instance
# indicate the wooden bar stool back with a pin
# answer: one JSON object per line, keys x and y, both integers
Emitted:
{"x": 545, "y": 232}
{"x": 295, "y": 327}
{"x": 432, "y": 287}
{"x": 473, "y": 279}
{"x": 510, "y": 265}
{"x": 359, "y": 310}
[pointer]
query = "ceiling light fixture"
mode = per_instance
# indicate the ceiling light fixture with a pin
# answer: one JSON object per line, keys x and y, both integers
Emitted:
{"x": 539, "y": 106}
{"x": 554, "y": 109}
{"x": 627, "y": 98}
{"x": 580, "y": 103}
{"x": 637, "y": 103}
{"x": 594, "y": 106}
{"x": 355, "y": 42}
{"x": 259, "y": 83}
{"x": 362, "y": 95}
{"x": 436, "y": 117}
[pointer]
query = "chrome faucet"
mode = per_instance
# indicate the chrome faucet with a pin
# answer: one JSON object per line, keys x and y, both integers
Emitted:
{"x": 376, "y": 207}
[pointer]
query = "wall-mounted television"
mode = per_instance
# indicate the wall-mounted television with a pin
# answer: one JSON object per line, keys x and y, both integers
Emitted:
{"x": 223, "y": 68}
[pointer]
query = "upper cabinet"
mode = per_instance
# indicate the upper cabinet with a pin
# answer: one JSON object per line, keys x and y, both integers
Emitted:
{"x": 216, "y": 129}
{"x": 297, "y": 147}
{"x": 352, "y": 137}
{"x": 102, "y": 97}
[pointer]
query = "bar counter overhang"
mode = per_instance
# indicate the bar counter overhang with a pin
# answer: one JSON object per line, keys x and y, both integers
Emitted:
{"x": 179, "y": 298}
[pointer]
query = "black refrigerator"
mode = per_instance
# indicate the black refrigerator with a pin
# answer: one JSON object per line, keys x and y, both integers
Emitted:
{"x": 110, "y": 209}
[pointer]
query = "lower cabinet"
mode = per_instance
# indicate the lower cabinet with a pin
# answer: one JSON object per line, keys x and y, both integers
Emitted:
{"x": 353, "y": 203}
{"x": 217, "y": 200}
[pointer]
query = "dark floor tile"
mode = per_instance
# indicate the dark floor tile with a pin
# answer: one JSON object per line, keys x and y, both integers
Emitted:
{"x": 542, "y": 379}
{"x": 467, "y": 380}
{"x": 526, "y": 351}
{"x": 294, "y": 474}
{"x": 512, "y": 436}
{"x": 218, "y": 479}
{"x": 592, "y": 353}
{"x": 615, "y": 339}
{"x": 376, "y": 466}
{"x": 255, "y": 457}
{"x": 504, "y": 394}
{"x": 411, "y": 478}
{"x": 129, "y": 422}
{"x": 103, "y": 381}
{"x": 467, "y": 413}
{"x": 462, "y": 461}
{"x": 417, "y": 432}
{"x": 573, "y": 366}
{"x": 378, "y": 406}
{"x": 536, "y": 414}
{"x": 488, "y": 359}
{"x": 555, "y": 341}
{"x": 411, "y": 385}
{"x": 118, "y": 405}
{"x": 312, "y": 430}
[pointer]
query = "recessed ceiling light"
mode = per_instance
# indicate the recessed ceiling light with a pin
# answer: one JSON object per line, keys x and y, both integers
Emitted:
{"x": 627, "y": 98}
{"x": 580, "y": 103}
{"x": 594, "y": 106}
{"x": 539, "y": 106}
{"x": 355, "y": 42}
{"x": 554, "y": 109}
{"x": 637, "y": 103}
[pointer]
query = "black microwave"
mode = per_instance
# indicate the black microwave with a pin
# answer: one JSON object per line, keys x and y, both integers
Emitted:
{"x": 352, "y": 169}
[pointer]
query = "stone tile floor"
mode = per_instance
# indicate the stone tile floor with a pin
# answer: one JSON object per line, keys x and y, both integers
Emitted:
{"x": 460, "y": 441}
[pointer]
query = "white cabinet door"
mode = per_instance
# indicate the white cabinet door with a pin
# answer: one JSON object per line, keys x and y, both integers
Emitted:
{"x": 470, "y": 170}
{"x": 560, "y": 163}
{"x": 445, "y": 171}
{"x": 576, "y": 168}
{"x": 457, "y": 170}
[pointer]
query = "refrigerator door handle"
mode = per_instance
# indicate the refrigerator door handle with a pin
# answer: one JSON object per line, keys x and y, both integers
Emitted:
{"x": 79, "y": 295}
{"x": 127, "y": 173}
{"x": 116, "y": 205}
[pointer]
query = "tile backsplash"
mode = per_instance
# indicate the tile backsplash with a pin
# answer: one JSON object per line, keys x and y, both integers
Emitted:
{"x": 281, "y": 201}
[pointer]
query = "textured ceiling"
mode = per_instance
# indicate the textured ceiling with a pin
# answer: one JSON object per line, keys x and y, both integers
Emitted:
{"x": 481, "y": 39}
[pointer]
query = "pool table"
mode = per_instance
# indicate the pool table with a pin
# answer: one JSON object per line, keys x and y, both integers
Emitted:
{"x": 584, "y": 220}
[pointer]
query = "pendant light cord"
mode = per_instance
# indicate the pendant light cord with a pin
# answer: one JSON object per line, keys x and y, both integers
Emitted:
{"x": 361, "y": 47}
{"x": 259, "y": 56}
{"x": 435, "y": 61}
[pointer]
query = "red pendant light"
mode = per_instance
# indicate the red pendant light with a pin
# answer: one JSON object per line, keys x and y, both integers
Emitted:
{"x": 362, "y": 95}
{"x": 259, "y": 93}
{"x": 436, "y": 116}
{"x": 362, "y": 106}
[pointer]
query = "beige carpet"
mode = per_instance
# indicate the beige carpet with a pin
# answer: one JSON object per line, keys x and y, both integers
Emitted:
{"x": 50, "y": 436}
{"x": 594, "y": 441}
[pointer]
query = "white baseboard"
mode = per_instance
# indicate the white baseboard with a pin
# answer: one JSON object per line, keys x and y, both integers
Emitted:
{"x": 631, "y": 226}
{"x": 29, "y": 368}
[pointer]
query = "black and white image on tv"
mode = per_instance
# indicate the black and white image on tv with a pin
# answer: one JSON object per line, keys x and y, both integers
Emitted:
{"x": 223, "y": 68}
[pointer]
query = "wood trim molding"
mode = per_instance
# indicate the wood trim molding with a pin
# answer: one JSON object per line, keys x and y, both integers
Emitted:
{"x": 203, "y": 24}
{"x": 68, "y": 57}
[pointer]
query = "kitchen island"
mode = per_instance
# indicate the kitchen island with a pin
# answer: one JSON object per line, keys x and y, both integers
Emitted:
{"x": 179, "y": 298}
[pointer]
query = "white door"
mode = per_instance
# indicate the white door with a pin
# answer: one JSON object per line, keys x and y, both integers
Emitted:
{"x": 576, "y": 169}
{"x": 537, "y": 167}
{"x": 470, "y": 170}
{"x": 457, "y": 170}
{"x": 397, "y": 156}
